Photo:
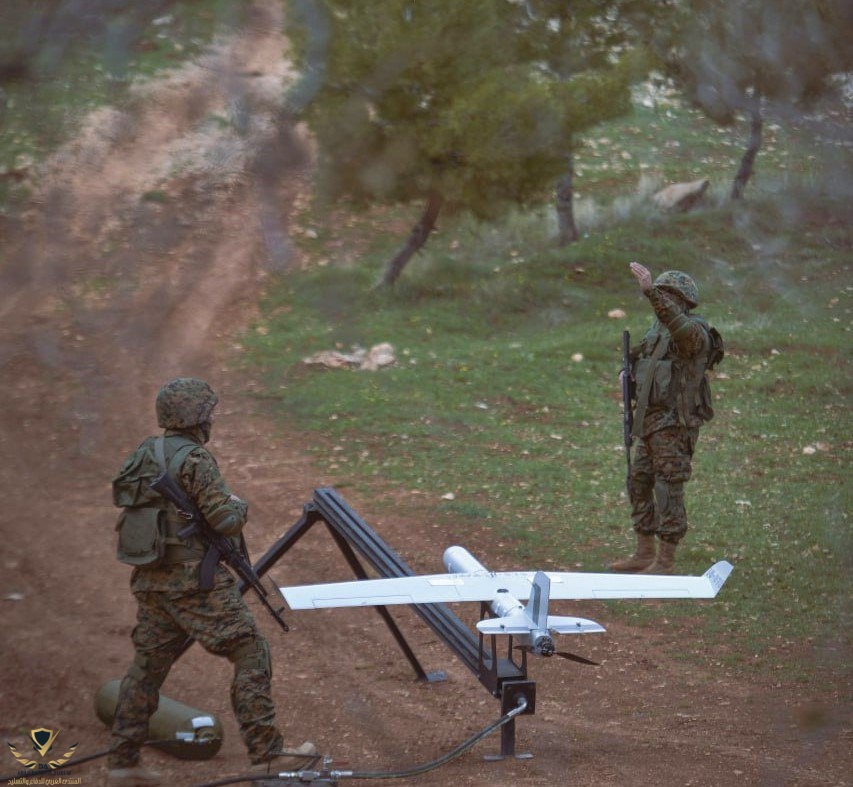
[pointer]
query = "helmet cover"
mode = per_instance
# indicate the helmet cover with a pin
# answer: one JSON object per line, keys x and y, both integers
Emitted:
{"x": 681, "y": 284}
{"x": 185, "y": 402}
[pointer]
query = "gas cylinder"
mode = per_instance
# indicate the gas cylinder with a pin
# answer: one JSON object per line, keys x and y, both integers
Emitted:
{"x": 182, "y": 731}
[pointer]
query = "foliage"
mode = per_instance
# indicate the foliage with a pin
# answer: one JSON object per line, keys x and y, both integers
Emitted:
{"x": 785, "y": 51}
{"x": 759, "y": 57}
{"x": 459, "y": 99}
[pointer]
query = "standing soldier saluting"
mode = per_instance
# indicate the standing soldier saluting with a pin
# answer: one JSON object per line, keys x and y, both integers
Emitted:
{"x": 671, "y": 401}
{"x": 172, "y": 603}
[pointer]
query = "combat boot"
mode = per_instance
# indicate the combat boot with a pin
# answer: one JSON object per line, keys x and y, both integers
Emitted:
{"x": 665, "y": 561}
{"x": 288, "y": 759}
{"x": 641, "y": 559}
{"x": 132, "y": 776}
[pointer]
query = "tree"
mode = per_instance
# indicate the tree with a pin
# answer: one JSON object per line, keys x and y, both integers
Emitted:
{"x": 447, "y": 103}
{"x": 755, "y": 56}
{"x": 600, "y": 35}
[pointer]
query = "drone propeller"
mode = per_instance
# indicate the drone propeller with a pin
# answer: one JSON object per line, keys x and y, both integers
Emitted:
{"x": 575, "y": 657}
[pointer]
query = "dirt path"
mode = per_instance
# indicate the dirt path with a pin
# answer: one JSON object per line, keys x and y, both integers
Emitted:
{"x": 140, "y": 258}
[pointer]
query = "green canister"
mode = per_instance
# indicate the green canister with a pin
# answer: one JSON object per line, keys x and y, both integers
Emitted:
{"x": 178, "y": 729}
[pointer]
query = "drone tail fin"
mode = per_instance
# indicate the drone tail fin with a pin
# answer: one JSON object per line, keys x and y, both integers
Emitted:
{"x": 569, "y": 625}
{"x": 540, "y": 595}
{"x": 517, "y": 623}
{"x": 522, "y": 621}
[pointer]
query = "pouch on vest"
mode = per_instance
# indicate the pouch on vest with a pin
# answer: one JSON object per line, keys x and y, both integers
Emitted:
{"x": 659, "y": 374}
{"x": 718, "y": 348}
{"x": 141, "y": 536}
{"x": 142, "y": 527}
{"x": 132, "y": 485}
{"x": 704, "y": 408}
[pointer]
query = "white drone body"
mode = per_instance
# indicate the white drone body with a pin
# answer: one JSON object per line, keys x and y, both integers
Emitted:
{"x": 530, "y": 625}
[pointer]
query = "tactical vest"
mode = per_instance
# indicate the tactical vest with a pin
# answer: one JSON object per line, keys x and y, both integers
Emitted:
{"x": 668, "y": 384}
{"x": 148, "y": 525}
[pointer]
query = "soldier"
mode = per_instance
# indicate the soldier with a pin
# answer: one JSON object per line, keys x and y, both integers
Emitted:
{"x": 170, "y": 604}
{"x": 672, "y": 402}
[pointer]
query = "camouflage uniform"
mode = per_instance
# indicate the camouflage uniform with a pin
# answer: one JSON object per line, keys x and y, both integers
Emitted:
{"x": 171, "y": 607}
{"x": 669, "y": 429}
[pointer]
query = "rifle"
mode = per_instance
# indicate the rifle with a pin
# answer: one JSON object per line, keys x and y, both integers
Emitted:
{"x": 627, "y": 395}
{"x": 219, "y": 547}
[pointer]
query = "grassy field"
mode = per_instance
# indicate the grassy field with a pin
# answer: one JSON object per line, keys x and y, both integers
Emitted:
{"x": 503, "y": 409}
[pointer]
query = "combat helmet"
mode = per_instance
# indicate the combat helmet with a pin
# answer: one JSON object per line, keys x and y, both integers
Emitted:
{"x": 681, "y": 284}
{"x": 185, "y": 402}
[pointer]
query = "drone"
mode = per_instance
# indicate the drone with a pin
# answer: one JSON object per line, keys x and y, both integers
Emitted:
{"x": 530, "y": 625}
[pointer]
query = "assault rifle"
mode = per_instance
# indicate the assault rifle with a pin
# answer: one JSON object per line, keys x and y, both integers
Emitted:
{"x": 219, "y": 547}
{"x": 627, "y": 395}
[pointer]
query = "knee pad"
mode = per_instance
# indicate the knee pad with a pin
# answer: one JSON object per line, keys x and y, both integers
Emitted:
{"x": 253, "y": 653}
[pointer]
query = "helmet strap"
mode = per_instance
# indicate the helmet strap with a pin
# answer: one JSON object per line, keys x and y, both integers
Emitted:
{"x": 204, "y": 429}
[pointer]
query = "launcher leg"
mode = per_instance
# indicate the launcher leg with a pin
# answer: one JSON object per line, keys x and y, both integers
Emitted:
{"x": 511, "y": 692}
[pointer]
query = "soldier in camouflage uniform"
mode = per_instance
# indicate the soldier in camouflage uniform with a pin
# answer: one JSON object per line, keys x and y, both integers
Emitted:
{"x": 672, "y": 401}
{"x": 171, "y": 607}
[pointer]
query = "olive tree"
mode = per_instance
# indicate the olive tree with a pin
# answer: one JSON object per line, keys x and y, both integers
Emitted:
{"x": 456, "y": 106}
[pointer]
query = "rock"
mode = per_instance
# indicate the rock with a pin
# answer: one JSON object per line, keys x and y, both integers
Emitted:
{"x": 681, "y": 197}
{"x": 366, "y": 360}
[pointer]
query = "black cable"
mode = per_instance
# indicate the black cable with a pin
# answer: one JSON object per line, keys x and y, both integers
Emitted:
{"x": 415, "y": 770}
{"x": 451, "y": 755}
{"x": 258, "y": 777}
{"x": 332, "y": 775}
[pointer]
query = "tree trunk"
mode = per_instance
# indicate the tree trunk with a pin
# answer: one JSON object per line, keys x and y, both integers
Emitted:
{"x": 417, "y": 239}
{"x": 565, "y": 191}
{"x": 744, "y": 173}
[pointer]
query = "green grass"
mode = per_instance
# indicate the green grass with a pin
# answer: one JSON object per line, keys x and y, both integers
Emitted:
{"x": 503, "y": 409}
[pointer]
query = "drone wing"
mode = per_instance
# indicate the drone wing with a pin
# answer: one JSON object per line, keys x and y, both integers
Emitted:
{"x": 427, "y": 589}
{"x": 484, "y": 585}
{"x": 604, "y": 586}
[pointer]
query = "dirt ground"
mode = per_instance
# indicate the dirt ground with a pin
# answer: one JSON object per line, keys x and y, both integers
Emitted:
{"x": 140, "y": 257}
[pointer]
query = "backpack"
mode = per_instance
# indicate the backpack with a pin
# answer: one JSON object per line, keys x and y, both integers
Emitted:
{"x": 142, "y": 528}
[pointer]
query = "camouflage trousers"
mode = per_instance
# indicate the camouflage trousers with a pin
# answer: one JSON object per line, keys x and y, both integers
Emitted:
{"x": 662, "y": 465}
{"x": 222, "y": 623}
